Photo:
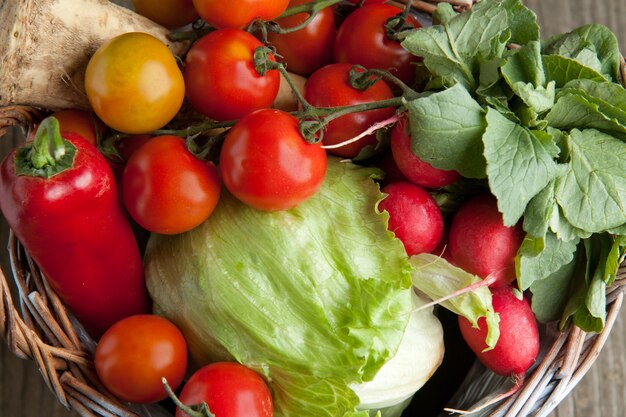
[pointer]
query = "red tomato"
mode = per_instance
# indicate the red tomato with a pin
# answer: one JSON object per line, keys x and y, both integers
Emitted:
{"x": 266, "y": 163}
{"x": 167, "y": 189}
{"x": 310, "y": 48}
{"x": 134, "y": 84}
{"x": 136, "y": 352}
{"x": 362, "y": 39}
{"x": 329, "y": 87}
{"x": 225, "y": 14}
{"x": 230, "y": 390}
{"x": 221, "y": 80}
{"x": 416, "y": 170}
{"x": 169, "y": 13}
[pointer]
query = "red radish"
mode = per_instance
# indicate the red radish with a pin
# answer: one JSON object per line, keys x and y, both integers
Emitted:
{"x": 481, "y": 244}
{"x": 416, "y": 170}
{"x": 518, "y": 345}
{"x": 414, "y": 217}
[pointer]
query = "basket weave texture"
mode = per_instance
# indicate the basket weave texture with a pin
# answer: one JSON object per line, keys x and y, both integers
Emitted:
{"x": 37, "y": 326}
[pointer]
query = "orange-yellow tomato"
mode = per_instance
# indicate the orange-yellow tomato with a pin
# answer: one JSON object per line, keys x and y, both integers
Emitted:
{"x": 134, "y": 84}
{"x": 169, "y": 13}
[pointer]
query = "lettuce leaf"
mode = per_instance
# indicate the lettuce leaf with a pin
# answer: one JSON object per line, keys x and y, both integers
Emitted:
{"x": 315, "y": 298}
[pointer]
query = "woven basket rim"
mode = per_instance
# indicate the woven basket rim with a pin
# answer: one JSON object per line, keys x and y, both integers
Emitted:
{"x": 40, "y": 329}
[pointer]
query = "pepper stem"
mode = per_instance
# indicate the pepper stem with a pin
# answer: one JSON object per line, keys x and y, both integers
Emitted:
{"x": 48, "y": 146}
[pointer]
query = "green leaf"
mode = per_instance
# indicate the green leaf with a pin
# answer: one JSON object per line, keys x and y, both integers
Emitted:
{"x": 451, "y": 50}
{"x": 522, "y": 22}
{"x": 610, "y": 98}
{"x": 524, "y": 73}
{"x": 520, "y": 163}
{"x": 540, "y": 211}
{"x": 592, "y": 193}
{"x": 437, "y": 278}
{"x": 605, "y": 92}
{"x": 525, "y": 66}
{"x": 615, "y": 258}
{"x": 556, "y": 253}
{"x": 550, "y": 295}
{"x": 588, "y": 44}
{"x": 446, "y": 131}
{"x": 574, "y": 111}
{"x": 316, "y": 298}
{"x": 562, "y": 70}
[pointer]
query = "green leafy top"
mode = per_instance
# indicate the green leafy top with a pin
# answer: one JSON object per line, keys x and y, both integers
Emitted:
{"x": 545, "y": 122}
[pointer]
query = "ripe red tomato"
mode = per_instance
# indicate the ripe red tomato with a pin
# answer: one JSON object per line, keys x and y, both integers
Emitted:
{"x": 362, "y": 39}
{"x": 310, "y": 48}
{"x": 266, "y": 163}
{"x": 413, "y": 168}
{"x": 166, "y": 189}
{"x": 134, "y": 84}
{"x": 221, "y": 80}
{"x": 230, "y": 390}
{"x": 136, "y": 352}
{"x": 169, "y": 13}
{"x": 330, "y": 87}
{"x": 225, "y": 14}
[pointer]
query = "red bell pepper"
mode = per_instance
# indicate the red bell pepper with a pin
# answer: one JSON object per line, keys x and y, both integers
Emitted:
{"x": 59, "y": 196}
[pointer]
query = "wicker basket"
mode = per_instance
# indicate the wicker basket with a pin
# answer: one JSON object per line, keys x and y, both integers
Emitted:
{"x": 37, "y": 326}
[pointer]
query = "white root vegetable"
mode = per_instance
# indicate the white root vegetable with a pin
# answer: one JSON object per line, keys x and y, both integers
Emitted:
{"x": 45, "y": 46}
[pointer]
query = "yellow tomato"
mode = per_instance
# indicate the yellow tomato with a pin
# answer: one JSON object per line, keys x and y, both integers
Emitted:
{"x": 134, "y": 84}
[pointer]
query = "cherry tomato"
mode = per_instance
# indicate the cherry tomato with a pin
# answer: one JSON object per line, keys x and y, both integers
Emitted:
{"x": 230, "y": 390}
{"x": 330, "y": 87}
{"x": 266, "y": 163}
{"x": 169, "y": 13}
{"x": 136, "y": 352}
{"x": 309, "y": 48}
{"x": 225, "y": 14}
{"x": 133, "y": 83}
{"x": 167, "y": 189}
{"x": 416, "y": 170}
{"x": 221, "y": 80}
{"x": 362, "y": 39}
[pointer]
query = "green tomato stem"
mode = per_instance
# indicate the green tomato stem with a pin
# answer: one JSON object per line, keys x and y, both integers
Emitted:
{"x": 312, "y": 7}
{"x": 201, "y": 410}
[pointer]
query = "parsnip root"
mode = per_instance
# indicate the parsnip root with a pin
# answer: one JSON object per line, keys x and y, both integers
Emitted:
{"x": 45, "y": 46}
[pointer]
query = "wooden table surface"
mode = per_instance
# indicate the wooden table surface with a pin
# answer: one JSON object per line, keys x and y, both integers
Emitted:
{"x": 601, "y": 393}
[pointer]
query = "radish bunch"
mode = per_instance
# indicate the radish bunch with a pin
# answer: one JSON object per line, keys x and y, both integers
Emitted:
{"x": 476, "y": 241}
